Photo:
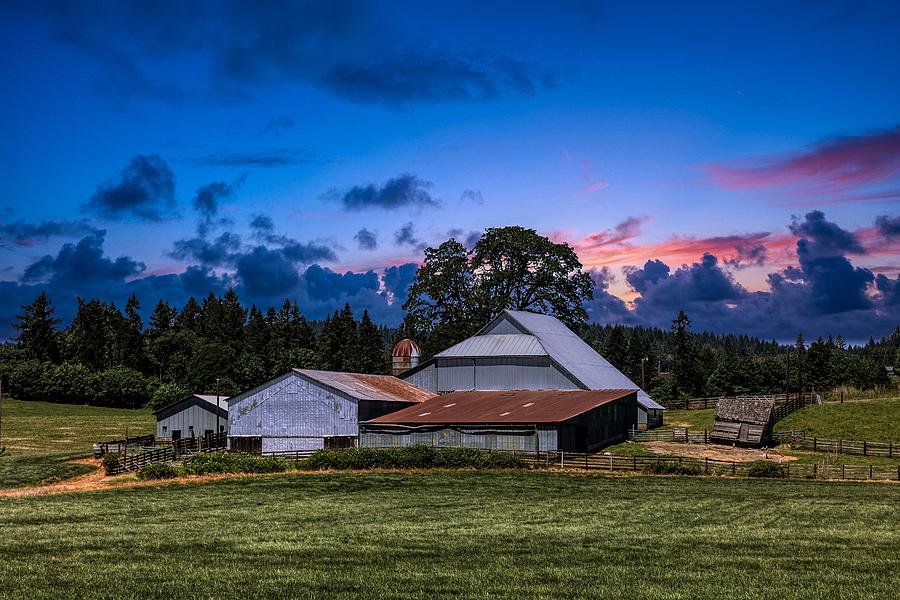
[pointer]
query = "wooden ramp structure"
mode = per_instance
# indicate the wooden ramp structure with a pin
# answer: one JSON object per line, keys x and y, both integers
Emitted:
{"x": 743, "y": 421}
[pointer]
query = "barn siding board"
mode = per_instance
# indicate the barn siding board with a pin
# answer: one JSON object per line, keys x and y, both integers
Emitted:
{"x": 455, "y": 374}
{"x": 500, "y": 373}
{"x": 520, "y": 439}
{"x": 502, "y": 327}
{"x": 425, "y": 378}
{"x": 196, "y": 415}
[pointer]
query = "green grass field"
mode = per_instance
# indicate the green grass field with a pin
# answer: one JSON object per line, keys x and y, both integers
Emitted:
{"x": 877, "y": 421}
{"x": 41, "y": 436}
{"x": 450, "y": 535}
{"x": 45, "y": 427}
{"x": 692, "y": 419}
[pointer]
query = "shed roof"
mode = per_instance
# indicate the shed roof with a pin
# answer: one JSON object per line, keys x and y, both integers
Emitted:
{"x": 511, "y": 344}
{"x": 755, "y": 410}
{"x": 384, "y": 388}
{"x": 513, "y": 407}
{"x": 572, "y": 353}
{"x": 192, "y": 400}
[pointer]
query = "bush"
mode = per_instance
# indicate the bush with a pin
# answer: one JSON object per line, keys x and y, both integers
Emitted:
{"x": 665, "y": 467}
{"x": 410, "y": 457}
{"x": 167, "y": 393}
{"x": 121, "y": 387}
{"x": 766, "y": 468}
{"x": 28, "y": 380}
{"x": 233, "y": 462}
{"x": 111, "y": 463}
{"x": 157, "y": 471}
{"x": 72, "y": 383}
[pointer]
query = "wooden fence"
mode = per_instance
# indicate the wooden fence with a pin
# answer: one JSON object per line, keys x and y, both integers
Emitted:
{"x": 115, "y": 446}
{"x": 676, "y": 434}
{"x": 171, "y": 451}
{"x": 601, "y": 462}
{"x": 711, "y": 401}
{"x": 800, "y": 441}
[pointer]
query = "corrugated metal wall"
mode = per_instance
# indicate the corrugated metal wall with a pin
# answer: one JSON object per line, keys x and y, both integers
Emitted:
{"x": 425, "y": 379}
{"x": 200, "y": 418}
{"x": 505, "y": 373}
{"x": 293, "y": 414}
{"x": 484, "y": 437}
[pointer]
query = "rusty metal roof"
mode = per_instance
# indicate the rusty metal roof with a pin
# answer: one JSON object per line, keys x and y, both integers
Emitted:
{"x": 518, "y": 406}
{"x": 384, "y": 388}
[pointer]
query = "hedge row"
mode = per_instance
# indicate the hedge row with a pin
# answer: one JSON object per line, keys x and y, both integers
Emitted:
{"x": 74, "y": 383}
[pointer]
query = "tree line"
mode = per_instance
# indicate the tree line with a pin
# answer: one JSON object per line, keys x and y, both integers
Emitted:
{"x": 112, "y": 358}
{"x": 679, "y": 363}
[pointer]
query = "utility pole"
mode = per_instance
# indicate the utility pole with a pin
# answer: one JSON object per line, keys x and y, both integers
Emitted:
{"x": 643, "y": 362}
{"x": 1, "y": 416}
{"x": 787, "y": 374}
{"x": 217, "y": 412}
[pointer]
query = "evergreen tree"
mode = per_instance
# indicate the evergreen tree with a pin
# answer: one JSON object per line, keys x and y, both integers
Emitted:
{"x": 640, "y": 364}
{"x": 370, "y": 353}
{"x": 89, "y": 337}
{"x": 38, "y": 336}
{"x": 162, "y": 319}
{"x": 800, "y": 347}
{"x": 190, "y": 316}
{"x": 615, "y": 349}
{"x": 258, "y": 334}
{"x": 132, "y": 342}
{"x": 685, "y": 367}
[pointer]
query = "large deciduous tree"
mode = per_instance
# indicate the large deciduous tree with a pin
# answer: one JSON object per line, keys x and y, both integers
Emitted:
{"x": 456, "y": 290}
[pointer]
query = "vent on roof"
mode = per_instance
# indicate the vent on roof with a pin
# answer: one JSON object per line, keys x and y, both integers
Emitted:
{"x": 424, "y": 414}
{"x": 527, "y": 404}
{"x": 449, "y": 405}
{"x": 503, "y": 414}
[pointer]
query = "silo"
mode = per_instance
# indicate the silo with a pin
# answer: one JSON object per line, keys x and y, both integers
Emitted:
{"x": 405, "y": 356}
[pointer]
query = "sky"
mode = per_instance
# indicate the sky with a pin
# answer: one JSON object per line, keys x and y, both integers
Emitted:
{"x": 738, "y": 161}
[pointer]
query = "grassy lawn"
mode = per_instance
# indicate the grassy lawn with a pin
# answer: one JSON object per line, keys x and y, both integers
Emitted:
{"x": 451, "y": 535}
{"x": 17, "y": 470}
{"x": 692, "y": 419}
{"x": 877, "y": 421}
{"x": 45, "y": 427}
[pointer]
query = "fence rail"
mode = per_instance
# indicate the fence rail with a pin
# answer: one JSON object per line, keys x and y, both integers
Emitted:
{"x": 101, "y": 448}
{"x": 800, "y": 441}
{"x": 611, "y": 462}
{"x": 677, "y": 434}
{"x": 711, "y": 401}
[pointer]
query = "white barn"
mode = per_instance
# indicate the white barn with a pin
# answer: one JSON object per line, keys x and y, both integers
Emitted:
{"x": 308, "y": 410}
{"x": 197, "y": 415}
{"x": 521, "y": 350}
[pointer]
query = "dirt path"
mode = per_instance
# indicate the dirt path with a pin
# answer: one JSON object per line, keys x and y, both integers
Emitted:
{"x": 715, "y": 451}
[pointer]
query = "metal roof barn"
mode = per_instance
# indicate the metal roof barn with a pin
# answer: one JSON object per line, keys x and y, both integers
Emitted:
{"x": 527, "y": 420}
{"x": 525, "y": 350}
{"x": 193, "y": 416}
{"x": 307, "y": 410}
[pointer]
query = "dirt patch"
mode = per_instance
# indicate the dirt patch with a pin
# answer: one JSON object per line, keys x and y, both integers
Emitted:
{"x": 716, "y": 452}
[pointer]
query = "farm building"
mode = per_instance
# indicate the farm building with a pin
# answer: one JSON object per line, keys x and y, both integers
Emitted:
{"x": 309, "y": 410}
{"x": 195, "y": 416}
{"x": 743, "y": 421}
{"x": 526, "y": 420}
{"x": 521, "y": 350}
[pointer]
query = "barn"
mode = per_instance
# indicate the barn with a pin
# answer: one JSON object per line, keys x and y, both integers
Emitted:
{"x": 523, "y": 420}
{"x": 527, "y": 351}
{"x": 743, "y": 421}
{"x": 194, "y": 416}
{"x": 308, "y": 410}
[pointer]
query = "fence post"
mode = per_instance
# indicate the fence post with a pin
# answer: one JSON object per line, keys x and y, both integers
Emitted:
{"x": 840, "y": 446}
{"x": 890, "y": 449}
{"x": 842, "y": 470}
{"x": 815, "y": 470}
{"x": 705, "y": 437}
{"x": 634, "y": 463}
{"x": 870, "y": 472}
{"x": 789, "y": 470}
{"x": 815, "y": 444}
{"x": 733, "y": 469}
{"x": 865, "y": 448}
{"x": 706, "y": 465}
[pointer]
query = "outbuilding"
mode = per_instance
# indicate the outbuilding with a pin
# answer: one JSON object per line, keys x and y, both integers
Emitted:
{"x": 743, "y": 421}
{"x": 522, "y": 420}
{"x": 196, "y": 415}
{"x": 522, "y": 350}
{"x": 307, "y": 410}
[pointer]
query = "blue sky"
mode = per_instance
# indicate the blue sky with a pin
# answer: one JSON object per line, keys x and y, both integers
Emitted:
{"x": 634, "y": 131}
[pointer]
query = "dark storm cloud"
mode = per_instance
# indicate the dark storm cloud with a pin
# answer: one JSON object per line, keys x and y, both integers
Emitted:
{"x": 888, "y": 226}
{"x": 398, "y": 279}
{"x": 824, "y": 238}
{"x": 406, "y": 236}
{"x": 266, "y": 272}
{"x": 343, "y": 47}
{"x": 221, "y": 251}
{"x": 405, "y": 191}
{"x": 262, "y": 225}
{"x": 367, "y": 240}
{"x": 652, "y": 272}
{"x": 82, "y": 262}
{"x": 207, "y": 202}
{"x": 144, "y": 191}
{"x": 21, "y": 233}
{"x": 605, "y": 307}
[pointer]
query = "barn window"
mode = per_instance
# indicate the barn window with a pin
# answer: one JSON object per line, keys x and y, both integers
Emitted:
{"x": 165, "y": 427}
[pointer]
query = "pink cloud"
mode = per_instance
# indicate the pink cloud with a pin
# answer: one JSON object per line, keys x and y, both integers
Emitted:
{"x": 832, "y": 166}
{"x": 596, "y": 186}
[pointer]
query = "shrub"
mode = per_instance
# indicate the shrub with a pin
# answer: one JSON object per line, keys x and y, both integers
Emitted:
{"x": 157, "y": 471}
{"x": 72, "y": 383}
{"x": 766, "y": 468}
{"x": 233, "y": 462}
{"x": 166, "y": 394}
{"x": 111, "y": 463}
{"x": 410, "y": 457}
{"x": 121, "y": 387}
{"x": 28, "y": 380}
{"x": 665, "y": 467}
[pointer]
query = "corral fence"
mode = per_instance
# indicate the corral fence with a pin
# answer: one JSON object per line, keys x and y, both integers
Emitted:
{"x": 675, "y": 434}
{"x": 169, "y": 451}
{"x": 794, "y": 400}
{"x": 798, "y": 440}
{"x": 611, "y": 462}
{"x": 116, "y": 446}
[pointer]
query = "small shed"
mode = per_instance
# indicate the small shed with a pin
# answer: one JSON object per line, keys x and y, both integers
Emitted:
{"x": 525, "y": 420}
{"x": 194, "y": 416}
{"x": 743, "y": 420}
{"x": 308, "y": 410}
